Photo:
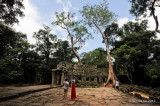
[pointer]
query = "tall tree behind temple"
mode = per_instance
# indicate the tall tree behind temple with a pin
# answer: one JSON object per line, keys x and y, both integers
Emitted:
{"x": 45, "y": 46}
{"x": 63, "y": 51}
{"x": 10, "y": 10}
{"x": 77, "y": 32}
{"x": 45, "y": 42}
{"x": 98, "y": 17}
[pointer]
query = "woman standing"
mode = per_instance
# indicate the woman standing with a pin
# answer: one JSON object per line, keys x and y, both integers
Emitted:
{"x": 73, "y": 88}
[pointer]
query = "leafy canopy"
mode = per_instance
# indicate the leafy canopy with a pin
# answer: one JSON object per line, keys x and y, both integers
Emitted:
{"x": 75, "y": 29}
{"x": 97, "y": 15}
{"x": 10, "y": 10}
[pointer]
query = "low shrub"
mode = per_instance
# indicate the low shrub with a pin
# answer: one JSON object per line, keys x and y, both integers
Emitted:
{"x": 87, "y": 84}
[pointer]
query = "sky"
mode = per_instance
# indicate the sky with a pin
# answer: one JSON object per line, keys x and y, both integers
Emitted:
{"x": 39, "y": 12}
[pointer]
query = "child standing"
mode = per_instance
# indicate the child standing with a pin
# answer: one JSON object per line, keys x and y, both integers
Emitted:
{"x": 117, "y": 85}
{"x": 65, "y": 86}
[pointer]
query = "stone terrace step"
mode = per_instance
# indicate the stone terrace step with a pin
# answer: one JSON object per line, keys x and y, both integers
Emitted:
{"x": 7, "y": 93}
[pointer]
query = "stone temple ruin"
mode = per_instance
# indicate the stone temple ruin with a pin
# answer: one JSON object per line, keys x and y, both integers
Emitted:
{"x": 82, "y": 73}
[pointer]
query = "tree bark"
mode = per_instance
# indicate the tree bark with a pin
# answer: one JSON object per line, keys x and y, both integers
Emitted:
{"x": 129, "y": 77}
{"x": 74, "y": 51}
{"x": 111, "y": 76}
{"x": 155, "y": 17}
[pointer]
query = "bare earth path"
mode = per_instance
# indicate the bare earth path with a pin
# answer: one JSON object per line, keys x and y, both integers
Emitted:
{"x": 85, "y": 97}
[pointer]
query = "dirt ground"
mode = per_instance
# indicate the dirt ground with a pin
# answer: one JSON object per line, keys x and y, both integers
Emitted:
{"x": 85, "y": 97}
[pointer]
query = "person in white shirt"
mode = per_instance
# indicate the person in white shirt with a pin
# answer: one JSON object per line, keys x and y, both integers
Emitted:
{"x": 65, "y": 87}
{"x": 117, "y": 84}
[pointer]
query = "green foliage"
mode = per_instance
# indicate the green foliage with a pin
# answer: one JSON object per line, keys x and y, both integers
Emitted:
{"x": 9, "y": 71}
{"x": 126, "y": 57}
{"x": 112, "y": 32}
{"x": 76, "y": 30}
{"x": 133, "y": 52}
{"x": 126, "y": 52}
{"x": 97, "y": 15}
{"x": 143, "y": 7}
{"x": 153, "y": 71}
{"x": 8, "y": 37}
{"x": 10, "y": 10}
{"x": 63, "y": 51}
{"x": 95, "y": 57}
{"x": 87, "y": 84}
{"x": 132, "y": 27}
{"x": 45, "y": 42}
{"x": 140, "y": 7}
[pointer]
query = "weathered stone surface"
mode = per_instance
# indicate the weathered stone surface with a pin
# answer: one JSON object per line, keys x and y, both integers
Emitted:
{"x": 85, "y": 97}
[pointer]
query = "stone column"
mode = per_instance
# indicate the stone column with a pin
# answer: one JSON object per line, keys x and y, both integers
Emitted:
{"x": 83, "y": 78}
{"x": 95, "y": 79}
{"x": 100, "y": 79}
{"x": 62, "y": 78}
{"x": 57, "y": 79}
{"x": 53, "y": 75}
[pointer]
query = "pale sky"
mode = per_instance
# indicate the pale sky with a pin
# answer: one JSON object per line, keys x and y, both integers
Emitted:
{"x": 39, "y": 12}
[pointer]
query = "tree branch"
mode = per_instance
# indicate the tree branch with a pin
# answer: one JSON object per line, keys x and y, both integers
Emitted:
{"x": 75, "y": 41}
{"x": 62, "y": 27}
{"x": 155, "y": 17}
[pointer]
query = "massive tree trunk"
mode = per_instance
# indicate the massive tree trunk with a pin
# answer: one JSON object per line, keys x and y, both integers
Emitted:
{"x": 111, "y": 76}
{"x": 129, "y": 76}
{"x": 155, "y": 17}
{"x": 74, "y": 51}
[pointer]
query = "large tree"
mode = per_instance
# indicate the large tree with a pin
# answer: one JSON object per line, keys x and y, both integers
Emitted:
{"x": 10, "y": 10}
{"x": 136, "y": 49}
{"x": 98, "y": 17}
{"x": 45, "y": 46}
{"x": 45, "y": 42}
{"x": 13, "y": 47}
{"x": 141, "y": 7}
{"x": 77, "y": 32}
{"x": 7, "y": 40}
{"x": 126, "y": 57}
{"x": 63, "y": 51}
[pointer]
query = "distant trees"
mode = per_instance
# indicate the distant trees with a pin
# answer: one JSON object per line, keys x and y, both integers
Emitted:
{"x": 45, "y": 42}
{"x": 135, "y": 52}
{"x": 96, "y": 57}
{"x": 63, "y": 51}
{"x": 7, "y": 40}
{"x": 13, "y": 45}
{"x": 126, "y": 57}
{"x": 21, "y": 62}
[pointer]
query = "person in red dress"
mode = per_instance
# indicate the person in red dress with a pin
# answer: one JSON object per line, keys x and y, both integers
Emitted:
{"x": 73, "y": 88}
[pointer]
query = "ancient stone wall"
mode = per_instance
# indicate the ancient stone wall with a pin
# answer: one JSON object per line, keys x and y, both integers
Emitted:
{"x": 80, "y": 72}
